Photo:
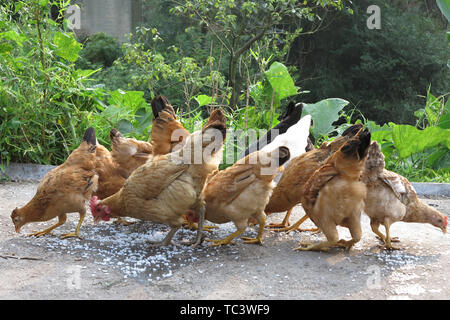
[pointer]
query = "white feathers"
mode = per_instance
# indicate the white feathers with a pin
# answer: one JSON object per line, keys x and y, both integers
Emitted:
{"x": 295, "y": 138}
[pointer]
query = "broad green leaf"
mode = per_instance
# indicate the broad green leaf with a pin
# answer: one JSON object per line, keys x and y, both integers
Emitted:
{"x": 13, "y": 36}
{"x": 66, "y": 46}
{"x": 380, "y": 133}
{"x": 281, "y": 81}
{"x": 387, "y": 149}
{"x": 444, "y": 5}
{"x": 409, "y": 140}
{"x": 132, "y": 100}
{"x": 82, "y": 74}
{"x": 203, "y": 100}
{"x": 444, "y": 120}
{"x": 143, "y": 117}
{"x": 323, "y": 114}
{"x": 124, "y": 126}
{"x": 439, "y": 158}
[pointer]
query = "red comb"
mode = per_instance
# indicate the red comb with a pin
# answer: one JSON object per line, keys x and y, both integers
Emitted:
{"x": 93, "y": 203}
{"x": 445, "y": 219}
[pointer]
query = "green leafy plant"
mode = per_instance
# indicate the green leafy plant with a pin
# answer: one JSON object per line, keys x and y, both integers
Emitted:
{"x": 418, "y": 152}
{"x": 100, "y": 50}
{"x": 42, "y": 95}
{"x": 324, "y": 113}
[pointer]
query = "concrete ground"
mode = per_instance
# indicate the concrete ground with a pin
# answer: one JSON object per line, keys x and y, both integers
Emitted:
{"x": 113, "y": 262}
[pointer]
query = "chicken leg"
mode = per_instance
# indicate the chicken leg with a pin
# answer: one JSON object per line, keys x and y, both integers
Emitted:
{"x": 321, "y": 246}
{"x": 228, "y": 239}
{"x": 200, "y": 226}
{"x": 77, "y": 230}
{"x": 375, "y": 225}
{"x": 388, "y": 241}
{"x": 284, "y": 223}
{"x": 332, "y": 235}
{"x": 61, "y": 220}
{"x": 121, "y": 221}
{"x": 261, "y": 218}
{"x": 167, "y": 240}
{"x": 194, "y": 226}
{"x": 296, "y": 226}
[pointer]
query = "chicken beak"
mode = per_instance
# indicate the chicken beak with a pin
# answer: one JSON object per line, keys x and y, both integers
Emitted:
{"x": 17, "y": 229}
{"x": 97, "y": 220}
{"x": 444, "y": 230}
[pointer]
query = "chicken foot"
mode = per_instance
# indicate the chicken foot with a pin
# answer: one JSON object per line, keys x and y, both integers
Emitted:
{"x": 200, "y": 226}
{"x": 387, "y": 239}
{"x": 77, "y": 230}
{"x": 284, "y": 224}
{"x": 322, "y": 246}
{"x": 382, "y": 237}
{"x": 121, "y": 221}
{"x": 258, "y": 240}
{"x": 166, "y": 241}
{"x": 228, "y": 239}
{"x": 194, "y": 226}
{"x": 296, "y": 226}
{"x": 332, "y": 235}
{"x": 61, "y": 220}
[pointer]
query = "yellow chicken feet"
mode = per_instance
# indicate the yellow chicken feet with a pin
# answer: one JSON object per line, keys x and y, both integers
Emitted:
{"x": 386, "y": 239}
{"x": 38, "y": 234}
{"x": 75, "y": 234}
{"x": 321, "y": 246}
{"x": 284, "y": 224}
{"x": 194, "y": 226}
{"x": 258, "y": 240}
{"x": 347, "y": 244}
{"x": 227, "y": 240}
{"x": 61, "y": 221}
{"x": 166, "y": 241}
{"x": 296, "y": 226}
{"x": 123, "y": 222}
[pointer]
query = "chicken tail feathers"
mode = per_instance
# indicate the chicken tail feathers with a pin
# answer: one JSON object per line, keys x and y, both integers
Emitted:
{"x": 284, "y": 155}
{"x": 90, "y": 138}
{"x": 114, "y": 133}
{"x": 290, "y": 109}
{"x": 352, "y": 130}
{"x": 358, "y": 144}
{"x": 160, "y": 103}
{"x": 364, "y": 138}
{"x": 218, "y": 121}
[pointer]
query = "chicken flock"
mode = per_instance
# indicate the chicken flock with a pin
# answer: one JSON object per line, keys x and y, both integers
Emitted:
{"x": 174, "y": 179}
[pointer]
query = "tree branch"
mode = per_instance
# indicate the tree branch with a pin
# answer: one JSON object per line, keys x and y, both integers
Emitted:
{"x": 249, "y": 43}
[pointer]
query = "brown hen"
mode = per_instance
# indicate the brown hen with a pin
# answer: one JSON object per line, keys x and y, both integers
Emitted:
{"x": 242, "y": 191}
{"x": 391, "y": 198}
{"x": 334, "y": 195}
{"x": 289, "y": 190}
{"x": 164, "y": 189}
{"x": 63, "y": 190}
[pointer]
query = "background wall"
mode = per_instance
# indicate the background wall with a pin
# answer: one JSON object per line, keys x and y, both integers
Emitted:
{"x": 113, "y": 17}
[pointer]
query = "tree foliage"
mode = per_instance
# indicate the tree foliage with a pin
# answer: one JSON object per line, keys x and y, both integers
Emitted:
{"x": 381, "y": 72}
{"x": 238, "y": 24}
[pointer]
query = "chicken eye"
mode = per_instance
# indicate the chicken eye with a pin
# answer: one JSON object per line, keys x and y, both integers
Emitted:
{"x": 98, "y": 209}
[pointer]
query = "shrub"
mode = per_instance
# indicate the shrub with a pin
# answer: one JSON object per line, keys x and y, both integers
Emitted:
{"x": 100, "y": 50}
